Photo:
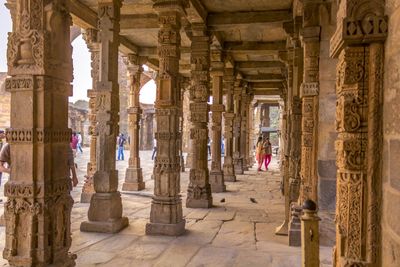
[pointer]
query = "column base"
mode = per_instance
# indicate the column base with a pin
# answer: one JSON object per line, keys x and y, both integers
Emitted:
{"x": 199, "y": 203}
{"x": 105, "y": 214}
{"x": 133, "y": 180}
{"x": 166, "y": 229}
{"x": 105, "y": 227}
{"x": 230, "y": 177}
{"x": 86, "y": 197}
{"x": 217, "y": 182}
{"x": 283, "y": 229}
{"x": 238, "y": 165}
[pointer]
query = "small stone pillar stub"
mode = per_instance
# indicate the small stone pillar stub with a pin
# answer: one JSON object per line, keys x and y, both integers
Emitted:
{"x": 105, "y": 214}
{"x": 217, "y": 182}
{"x": 310, "y": 235}
{"x": 133, "y": 180}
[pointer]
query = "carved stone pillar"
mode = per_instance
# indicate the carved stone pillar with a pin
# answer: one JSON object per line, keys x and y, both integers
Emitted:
{"x": 237, "y": 126}
{"x": 38, "y": 209}
{"x": 105, "y": 211}
{"x": 166, "y": 207}
{"x": 358, "y": 42}
{"x": 217, "y": 72}
{"x": 229, "y": 115}
{"x": 199, "y": 189}
{"x": 243, "y": 128}
{"x": 183, "y": 85}
{"x": 250, "y": 136}
{"x": 134, "y": 175}
{"x": 92, "y": 41}
{"x": 310, "y": 102}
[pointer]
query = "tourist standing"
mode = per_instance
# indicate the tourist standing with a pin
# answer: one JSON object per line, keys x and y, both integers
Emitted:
{"x": 268, "y": 153}
{"x": 121, "y": 143}
{"x": 260, "y": 152}
{"x": 154, "y": 148}
{"x": 79, "y": 145}
{"x": 74, "y": 143}
{"x": 71, "y": 166}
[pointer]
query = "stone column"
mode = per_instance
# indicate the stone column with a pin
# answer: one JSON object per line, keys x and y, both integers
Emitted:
{"x": 38, "y": 208}
{"x": 183, "y": 86}
{"x": 133, "y": 175}
{"x": 91, "y": 37}
{"x": 309, "y": 96}
{"x": 250, "y": 136}
{"x": 166, "y": 207}
{"x": 229, "y": 115}
{"x": 105, "y": 211}
{"x": 199, "y": 189}
{"x": 237, "y": 126}
{"x": 310, "y": 235}
{"x": 359, "y": 90}
{"x": 244, "y": 134}
{"x": 217, "y": 72}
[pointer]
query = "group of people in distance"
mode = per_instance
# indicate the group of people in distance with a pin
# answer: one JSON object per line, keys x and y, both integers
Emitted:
{"x": 263, "y": 152}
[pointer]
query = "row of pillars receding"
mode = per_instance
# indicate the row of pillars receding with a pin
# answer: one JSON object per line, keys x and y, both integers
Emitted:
{"x": 38, "y": 210}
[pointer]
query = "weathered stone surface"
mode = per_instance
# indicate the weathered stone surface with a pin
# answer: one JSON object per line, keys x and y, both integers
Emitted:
{"x": 236, "y": 234}
{"x": 212, "y": 256}
{"x": 394, "y": 166}
{"x": 327, "y": 198}
{"x": 93, "y": 258}
{"x": 177, "y": 254}
{"x": 220, "y": 215}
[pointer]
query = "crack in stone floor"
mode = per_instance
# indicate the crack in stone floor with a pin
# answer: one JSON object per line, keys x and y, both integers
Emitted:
{"x": 236, "y": 232}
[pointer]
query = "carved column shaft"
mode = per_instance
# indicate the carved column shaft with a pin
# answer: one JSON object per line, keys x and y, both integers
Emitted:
{"x": 166, "y": 207}
{"x": 38, "y": 208}
{"x": 217, "y": 73}
{"x": 199, "y": 189}
{"x": 359, "y": 45}
{"x": 250, "y": 137}
{"x": 134, "y": 175}
{"x": 310, "y": 103}
{"x": 243, "y": 128}
{"x": 229, "y": 115}
{"x": 237, "y": 126}
{"x": 105, "y": 211}
{"x": 92, "y": 41}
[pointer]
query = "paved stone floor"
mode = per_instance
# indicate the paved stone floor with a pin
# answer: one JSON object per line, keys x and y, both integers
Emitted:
{"x": 235, "y": 232}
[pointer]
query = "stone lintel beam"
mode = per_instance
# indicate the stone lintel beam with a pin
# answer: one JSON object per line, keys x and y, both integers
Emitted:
{"x": 267, "y": 85}
{"x": 85, "y": 17}
{"x": 270, "y": 77}
{"x": 196, "y": 12}
{"x": 216, "y": 20}
{"x": 243, "y": 65}
{"x": 255, "y": 46}
{"x": 268, "y": 92}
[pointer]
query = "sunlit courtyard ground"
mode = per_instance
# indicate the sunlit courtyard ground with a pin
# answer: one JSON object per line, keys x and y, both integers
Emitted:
{"x": 235, "y": 232}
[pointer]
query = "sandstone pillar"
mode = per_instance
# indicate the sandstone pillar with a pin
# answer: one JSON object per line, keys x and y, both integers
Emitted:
{"x": 217, "y": 72}
{"x": 237, "y": 126}
{"x": 244, "y": 133}
{"x": 229, "y": 115}
{"x": 183, "y": 86}
{"x": 358, "y": 42}
{"x": 309, "y": 235}
{"x": 250, "y": 156}
{"x": 134, "y": 175}
{"x": 105, "y": 211}
{"x": 309, "y": 96}
{"x": 166, "y": 207}
{"x": 38, "y": 209}
{"x": 92, "y": 41}
{"x": 199, "y": 189}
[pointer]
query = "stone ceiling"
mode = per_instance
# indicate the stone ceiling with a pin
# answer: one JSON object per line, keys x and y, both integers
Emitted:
{"x": 250, "y": 31}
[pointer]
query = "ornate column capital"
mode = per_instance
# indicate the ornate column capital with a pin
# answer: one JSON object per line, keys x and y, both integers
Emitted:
{"x": 359, "y": 22}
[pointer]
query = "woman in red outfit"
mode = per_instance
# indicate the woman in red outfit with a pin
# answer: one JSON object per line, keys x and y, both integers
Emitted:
{"x": 268, "y": 153}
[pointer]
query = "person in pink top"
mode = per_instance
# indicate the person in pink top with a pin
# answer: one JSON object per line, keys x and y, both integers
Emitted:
{"x": 74, "y": 143}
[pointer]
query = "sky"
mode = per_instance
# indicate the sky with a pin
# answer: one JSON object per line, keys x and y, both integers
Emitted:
{"x": 81, "y": 62}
